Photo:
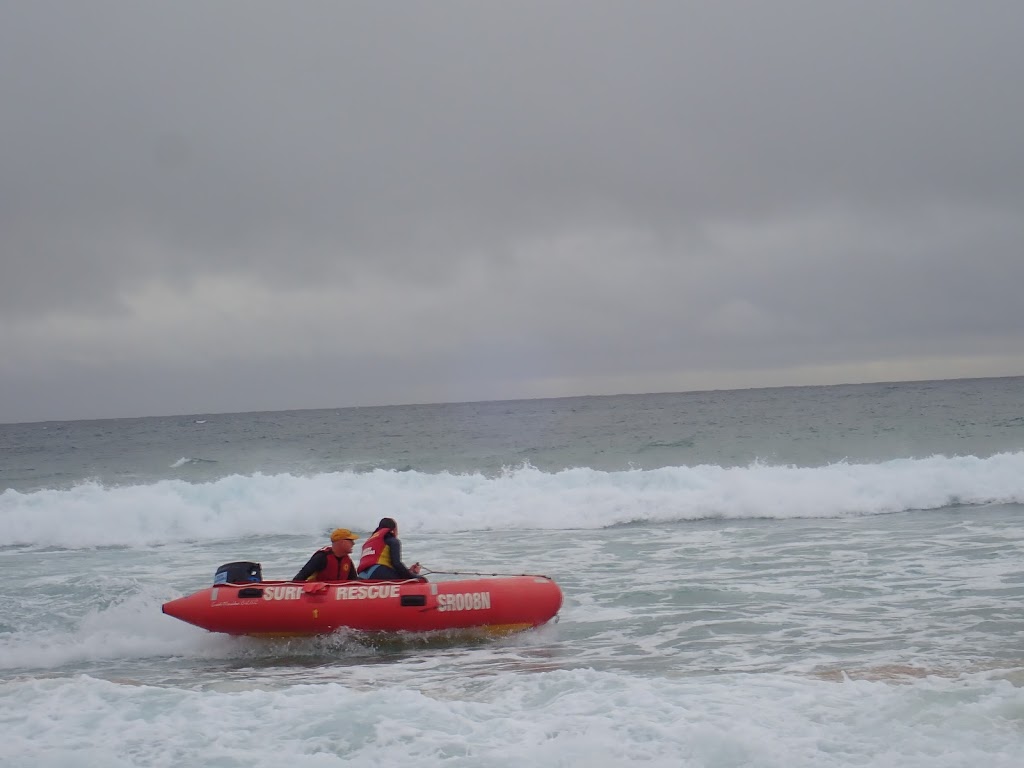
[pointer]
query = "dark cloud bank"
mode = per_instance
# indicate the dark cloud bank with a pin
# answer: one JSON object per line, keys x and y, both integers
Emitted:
{"x": 237, "y": 206}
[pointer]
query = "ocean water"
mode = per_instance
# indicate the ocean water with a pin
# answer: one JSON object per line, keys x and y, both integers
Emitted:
{"x": 818, "y": 576}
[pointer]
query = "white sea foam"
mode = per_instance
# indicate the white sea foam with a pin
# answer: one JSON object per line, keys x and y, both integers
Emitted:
{"x": 130, "y": 628}
{"x": 185, "y": 461}
{"x": 92, "y": 515}
{"x": 556, "y": 718}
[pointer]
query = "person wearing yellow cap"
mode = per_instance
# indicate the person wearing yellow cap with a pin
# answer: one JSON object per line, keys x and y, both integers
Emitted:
{"x": 331, "y": 563}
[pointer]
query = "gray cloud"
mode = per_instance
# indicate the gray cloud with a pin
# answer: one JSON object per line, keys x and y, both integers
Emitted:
{"x": 460, "y": 201}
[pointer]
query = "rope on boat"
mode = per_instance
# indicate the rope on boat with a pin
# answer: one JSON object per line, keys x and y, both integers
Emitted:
{"x": 424, "y": 569}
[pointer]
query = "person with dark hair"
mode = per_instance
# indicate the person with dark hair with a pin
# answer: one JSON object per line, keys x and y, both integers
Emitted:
{"x": 381, "y": 556}
{"x": 331, "y": 563}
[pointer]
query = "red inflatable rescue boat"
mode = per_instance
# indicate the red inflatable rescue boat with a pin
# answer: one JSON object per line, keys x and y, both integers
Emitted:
{"x": 498, "y": 605}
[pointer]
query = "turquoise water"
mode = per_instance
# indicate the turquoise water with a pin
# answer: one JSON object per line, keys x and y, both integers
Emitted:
{"x": 819, "y": 576}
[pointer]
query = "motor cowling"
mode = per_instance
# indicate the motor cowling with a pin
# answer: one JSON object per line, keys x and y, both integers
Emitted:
{"x": 240, "y": 572}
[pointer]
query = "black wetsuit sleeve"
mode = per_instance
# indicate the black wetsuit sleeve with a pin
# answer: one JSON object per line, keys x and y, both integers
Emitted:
{"x": 316, "y": 563}
{"x": 396, "y": 558}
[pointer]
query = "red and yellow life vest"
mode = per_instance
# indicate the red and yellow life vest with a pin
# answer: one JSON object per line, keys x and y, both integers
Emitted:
{"x": 337, "y": 568}
{"x": 375, "y": 551}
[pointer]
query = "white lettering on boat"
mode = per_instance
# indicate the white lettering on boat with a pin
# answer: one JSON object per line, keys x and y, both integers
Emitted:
{"x": 364, "y": 592}
{"x": 282, "y": 593}
{"x": 361, "y": 592}
{"x": 464, "y": 601}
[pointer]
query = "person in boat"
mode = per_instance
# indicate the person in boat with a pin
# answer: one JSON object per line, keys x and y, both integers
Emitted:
{"x": 381, "y": 556}
{"x": 331, "y": 563}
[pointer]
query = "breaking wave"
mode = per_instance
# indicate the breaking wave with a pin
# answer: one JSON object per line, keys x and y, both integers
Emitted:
{"x": 92, "y": 515}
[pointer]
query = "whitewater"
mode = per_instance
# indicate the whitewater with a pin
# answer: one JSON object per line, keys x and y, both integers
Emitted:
{"x": 817, "y": 576}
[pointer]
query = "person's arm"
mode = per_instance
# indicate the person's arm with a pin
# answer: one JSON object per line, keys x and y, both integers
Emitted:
{"x": 316, "y": 563}
{"x": 396, "y": 560}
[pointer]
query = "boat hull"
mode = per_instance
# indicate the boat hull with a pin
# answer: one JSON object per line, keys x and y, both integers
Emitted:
{"x": 279, "y": 608}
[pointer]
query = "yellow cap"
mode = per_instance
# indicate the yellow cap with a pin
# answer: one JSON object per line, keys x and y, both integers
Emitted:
{"x": 343, "y": 533}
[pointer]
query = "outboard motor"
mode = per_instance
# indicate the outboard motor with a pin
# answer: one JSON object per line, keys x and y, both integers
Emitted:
{"x": 238, "y": 573}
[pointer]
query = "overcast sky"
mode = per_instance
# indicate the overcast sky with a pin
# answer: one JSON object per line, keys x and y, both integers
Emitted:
{"x": 238, "y": 206}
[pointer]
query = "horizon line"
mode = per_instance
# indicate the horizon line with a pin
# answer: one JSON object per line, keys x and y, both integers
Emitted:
{"x": 511, "y": 400}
